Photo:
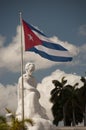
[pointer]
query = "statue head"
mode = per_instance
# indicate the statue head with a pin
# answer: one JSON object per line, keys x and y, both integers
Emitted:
{"x": 29, "y": 68}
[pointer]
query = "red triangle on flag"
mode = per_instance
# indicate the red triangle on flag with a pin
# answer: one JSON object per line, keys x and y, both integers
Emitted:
{"x": 31, "y": 39}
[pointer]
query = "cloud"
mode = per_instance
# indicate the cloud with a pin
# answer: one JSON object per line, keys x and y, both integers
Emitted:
{"x": 8, "y": 93}
{"x": 8, "y": 98}
{"x": 46, "y": 86}
{"x": 10, "y": 56}
{"x": 82, "y": 54}
{"x": 72, "y": 49}
{"x": 80, "y": 59}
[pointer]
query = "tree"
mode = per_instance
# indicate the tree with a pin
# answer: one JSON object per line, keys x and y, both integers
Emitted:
{"x": 18, "y": 124}
{"x": 3, "y": 123}
{"x": 66, "y": 103}
{"x": 57, "y": 100}
{"x": 83, "y": 97}
{"x": 72, "y": 103}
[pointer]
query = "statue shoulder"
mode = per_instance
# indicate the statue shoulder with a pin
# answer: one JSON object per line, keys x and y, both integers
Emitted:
{"x": 20, "y": 78}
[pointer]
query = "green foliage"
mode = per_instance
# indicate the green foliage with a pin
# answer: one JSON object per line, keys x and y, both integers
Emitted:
{"x": 18, "y": 124}
{"x": 4, "y": 126}
{"x": 3, "y": 123}
{"x": 2, "y": 119}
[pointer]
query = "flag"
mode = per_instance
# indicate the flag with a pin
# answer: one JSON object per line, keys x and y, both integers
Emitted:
{"x": 39, "y": 43}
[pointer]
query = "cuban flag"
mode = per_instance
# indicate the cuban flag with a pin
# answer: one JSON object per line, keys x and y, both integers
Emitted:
{"x": 39, "y": 43}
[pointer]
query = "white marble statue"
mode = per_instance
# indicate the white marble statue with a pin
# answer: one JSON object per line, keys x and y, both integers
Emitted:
{"x": 32, "y": 107}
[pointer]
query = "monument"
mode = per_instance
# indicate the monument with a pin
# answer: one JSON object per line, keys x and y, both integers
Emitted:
{"x": 32, "y": 107}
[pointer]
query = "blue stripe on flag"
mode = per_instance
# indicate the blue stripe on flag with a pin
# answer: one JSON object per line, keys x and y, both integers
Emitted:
{"x": 53, "y": 46}
{"x": 51, "y": 57}
{"x": 48, "y": 49}
{"x": 34, "y": 29}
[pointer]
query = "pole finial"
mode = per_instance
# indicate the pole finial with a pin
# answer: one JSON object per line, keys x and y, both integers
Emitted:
{"x": 20, "y": 13}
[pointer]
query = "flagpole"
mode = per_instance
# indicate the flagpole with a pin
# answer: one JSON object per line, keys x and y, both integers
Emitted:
{"x": 22, "y": 92}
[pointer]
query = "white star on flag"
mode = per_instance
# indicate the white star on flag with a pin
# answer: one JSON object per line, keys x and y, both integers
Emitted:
{"x": 30, "y": 37}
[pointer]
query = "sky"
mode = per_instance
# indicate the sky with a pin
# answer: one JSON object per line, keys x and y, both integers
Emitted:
{"x": 64, "y": 21}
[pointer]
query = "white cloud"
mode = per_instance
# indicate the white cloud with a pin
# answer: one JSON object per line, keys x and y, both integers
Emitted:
{"x": 46, "y": 86}
{"x": 73, "y": 49}
{"x": 10, "y": 57}
{"x": 80, "y": 59}
{"x": 8, "y": 98}
{"x": 8, "y": 93}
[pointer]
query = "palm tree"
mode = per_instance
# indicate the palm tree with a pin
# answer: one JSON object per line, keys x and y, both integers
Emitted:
{"x": 66, "y": 103}
{"x": 83, "y": 96}
{"x": 3, "y": 123}
{"x": 57, "y": 100}
{"x": 18, "y": 124}
{"x": 72, "y": 103}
